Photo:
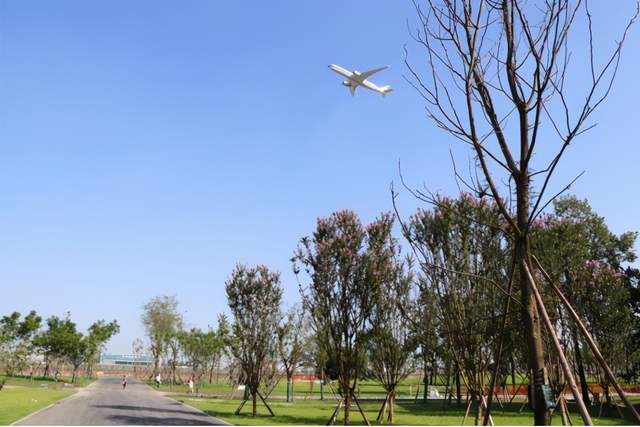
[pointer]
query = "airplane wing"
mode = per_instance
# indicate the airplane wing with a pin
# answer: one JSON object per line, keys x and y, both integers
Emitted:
{"x": 366, "y": 74}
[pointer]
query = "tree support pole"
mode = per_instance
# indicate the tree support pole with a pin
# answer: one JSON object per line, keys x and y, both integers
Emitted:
{"x": 336, "y": 411}
{"x": 466, "y": 413}
{"x": 380, "y": 417}
{"x": 265, "y": 403}
{"x": 487, "y": 415}
{"x": 484, "y": 402}
{"x": 240, "y": 407}
{"x": 563, "y": 360}
{"x": 364, "y": 417}
{"x": 590, "y": 341}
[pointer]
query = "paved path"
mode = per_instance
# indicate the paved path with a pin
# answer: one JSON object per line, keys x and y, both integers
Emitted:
{"x": 105, "y": 403}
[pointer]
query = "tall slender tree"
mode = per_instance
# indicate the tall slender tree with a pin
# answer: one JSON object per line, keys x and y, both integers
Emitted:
{"x": 254, "y": 295}
{"x": 161, "y": 321}
{"x": 498, "y": 80}
{"x": 291, "y": 344}
{"x": 344, "y": 263}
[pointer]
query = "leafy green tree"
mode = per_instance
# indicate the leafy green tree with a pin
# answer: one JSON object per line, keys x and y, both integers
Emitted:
{"x": 254, "y": 295}
{"x": 16, "y": 337}
{"x": 55, "y": 342}
{"x": 99, "y": 334}
{"x": 221, "y": 348}
{"x": 161, "y": 321}
{"x": 345, "y": 266}
{"x": 198, "y": 347}
{"x": 577, "y": 247}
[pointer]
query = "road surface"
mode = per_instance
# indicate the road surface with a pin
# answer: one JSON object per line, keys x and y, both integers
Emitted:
{"x": 105, "y": 403}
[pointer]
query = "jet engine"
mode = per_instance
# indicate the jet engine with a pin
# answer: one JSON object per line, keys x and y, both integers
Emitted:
{"x": 346, "y": 83}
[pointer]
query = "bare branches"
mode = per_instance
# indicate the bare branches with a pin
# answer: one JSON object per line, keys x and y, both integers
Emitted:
{"x": 526, "y": 47}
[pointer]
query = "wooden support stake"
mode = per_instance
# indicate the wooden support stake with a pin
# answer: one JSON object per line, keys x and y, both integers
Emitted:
{"x": 381, "y": 411}
{"x": 503, "y": 324}
{"x": 240, "y": 407}
{"x": 563, "y": 360}
{"x": 364, "y": 417}
{"x": 590, "y": 341}
{"x": 334, "y": 416}
{"x": 466, "y": 413}
{"x": 484, "y": 403}
{"x": 265, "y": 404}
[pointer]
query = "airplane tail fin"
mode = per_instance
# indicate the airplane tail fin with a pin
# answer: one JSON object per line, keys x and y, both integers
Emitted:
{"x": 386, "y": 90}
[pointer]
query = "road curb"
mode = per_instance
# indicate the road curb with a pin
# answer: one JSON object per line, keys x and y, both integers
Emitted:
{"x": 26, "y": 417}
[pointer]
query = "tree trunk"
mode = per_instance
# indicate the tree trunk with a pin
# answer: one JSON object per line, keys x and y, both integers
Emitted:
{"x": 584, "y": 386}
{"x": 46, "y": 368}
{"x": 458, "y": 390}
{"x": 254, "y": 406}
{"x": 289, "y": 385}
{"x": 478, "y": 402}
{"x": 576, "y": 346}
{"x": 213, "y": 364}
{"x": 392, "y": 400}
{"x": 531, "y": 321}
{"x": 347, "y": 407}
{"x": 425, "y": 391}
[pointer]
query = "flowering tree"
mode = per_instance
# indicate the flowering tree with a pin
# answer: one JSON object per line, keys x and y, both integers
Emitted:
{"x": 585, "y": 258}
{"x": 254, "y": 295}
{"x": 345, "y": 265}
{"x": 393, "y": 340}
{"x": 464, "y": 262}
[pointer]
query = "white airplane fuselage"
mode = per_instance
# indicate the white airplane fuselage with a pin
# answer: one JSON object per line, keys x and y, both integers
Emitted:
{"x": 355, "y": 79}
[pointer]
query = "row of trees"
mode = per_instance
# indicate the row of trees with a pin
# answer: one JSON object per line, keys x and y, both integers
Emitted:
{"x": 29, "y": 344}
{"x": 447, "y": 307}
{"x": 171, "y": 342}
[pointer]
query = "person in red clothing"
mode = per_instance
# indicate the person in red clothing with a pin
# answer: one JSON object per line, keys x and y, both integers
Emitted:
{"x": 124, "y": 382}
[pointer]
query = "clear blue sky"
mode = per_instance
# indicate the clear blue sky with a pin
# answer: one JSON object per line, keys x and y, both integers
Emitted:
{"x": 146, "y": 147}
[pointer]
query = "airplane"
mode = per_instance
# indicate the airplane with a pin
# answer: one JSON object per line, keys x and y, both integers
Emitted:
{"x": 355, "y": 79}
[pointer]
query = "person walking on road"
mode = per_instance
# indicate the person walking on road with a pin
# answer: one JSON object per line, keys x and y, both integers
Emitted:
{"x": 124, "y": 382}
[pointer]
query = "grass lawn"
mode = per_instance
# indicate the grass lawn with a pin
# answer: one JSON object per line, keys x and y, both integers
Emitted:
{"x": 407, "y": 413}
{"x": 25, "y": 381}
{"x": 18, "y": 402}
{"x": 22, "y": 395}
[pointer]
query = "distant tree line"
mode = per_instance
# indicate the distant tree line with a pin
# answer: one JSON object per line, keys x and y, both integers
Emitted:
{"x": 29, "y": 345}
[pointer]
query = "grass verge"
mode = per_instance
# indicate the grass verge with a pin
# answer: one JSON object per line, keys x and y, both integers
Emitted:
{"x": 407, "y": 413}
{"x": 18, "y": 402}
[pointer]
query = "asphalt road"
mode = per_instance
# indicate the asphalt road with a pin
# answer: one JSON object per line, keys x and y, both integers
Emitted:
{"x": 105, "y": 403}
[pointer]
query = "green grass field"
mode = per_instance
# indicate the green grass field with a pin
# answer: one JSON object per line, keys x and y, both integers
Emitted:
{"x": 407, "y": 413}
{"x": 22, "y": 395}
{"x": 25, "y": 381}
{"x": 18, "y": 402}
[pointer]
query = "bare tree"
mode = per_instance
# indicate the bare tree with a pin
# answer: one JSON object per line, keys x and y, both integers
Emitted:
{"x": 489, "y": 61}
{"x": 291, "y": 341}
